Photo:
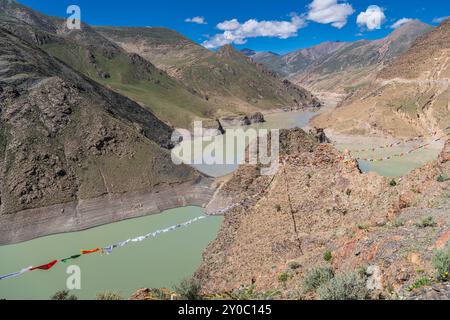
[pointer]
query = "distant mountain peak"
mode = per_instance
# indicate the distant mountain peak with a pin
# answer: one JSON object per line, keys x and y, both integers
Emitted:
{"x": 411, "y": 27}
{"x": 7, "y": 2}
{"x": 228, "y": 51}
{"x": 446, "y": 22}
{"x": 248, "y": 52}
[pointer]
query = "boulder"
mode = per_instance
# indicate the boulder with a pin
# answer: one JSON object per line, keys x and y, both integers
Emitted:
{"x": 258, "y": 117}
{"x": 320, "y": 135}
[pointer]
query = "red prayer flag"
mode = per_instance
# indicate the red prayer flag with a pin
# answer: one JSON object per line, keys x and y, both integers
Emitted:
{"x": 45, "y": 266}
{"x": 90, "y": 251}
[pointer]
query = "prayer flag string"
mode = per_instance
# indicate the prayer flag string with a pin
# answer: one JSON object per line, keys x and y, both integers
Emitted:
{"x": 395, "y": 144}
{"x": 246, "y": 202}
{"x": 106, "y": 250}
{"x": 403, "y": 153}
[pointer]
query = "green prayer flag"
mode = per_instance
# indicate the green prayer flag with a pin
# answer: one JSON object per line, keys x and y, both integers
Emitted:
{"x": 71, "y": 258}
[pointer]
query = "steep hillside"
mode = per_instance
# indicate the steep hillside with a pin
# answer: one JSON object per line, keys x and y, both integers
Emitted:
{"x": 319, "y": 210}
{"x": 297, "y": 61}
{"x": 65, "y": 138}
{"x": 103, "y": 61}
{"x": 167, "y": 49}
{"x": 409, "y": 97}
{"x": 227, "y": 79}
{"x": 342, "y": 67}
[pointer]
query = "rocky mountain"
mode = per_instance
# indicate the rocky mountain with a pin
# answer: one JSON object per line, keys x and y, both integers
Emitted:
{"x": 409, "y": 96}
{"x": 320, "y": 219}
{"x": 297, "y": 61}
{"x": 105, "y": 62}
{"x": 65, "y": 138}
{"x": 227, "y": 79}
{"x": 343, "y": 66}
{"x": 248, "y": 52}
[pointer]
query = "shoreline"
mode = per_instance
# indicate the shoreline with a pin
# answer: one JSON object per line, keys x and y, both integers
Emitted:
{"x": 86, "y": 214}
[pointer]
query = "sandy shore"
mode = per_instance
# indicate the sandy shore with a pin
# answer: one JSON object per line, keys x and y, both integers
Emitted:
{"x": 85, "y": 214}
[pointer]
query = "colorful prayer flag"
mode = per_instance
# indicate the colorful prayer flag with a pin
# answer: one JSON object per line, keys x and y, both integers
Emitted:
{"x": 90, "y": 251}
{"x": 47, "y": 266}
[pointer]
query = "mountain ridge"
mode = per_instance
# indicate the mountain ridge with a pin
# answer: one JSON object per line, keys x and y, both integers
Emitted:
{"x": 105, "y": 62}
{"x": 406, "y": 98}
{"x": 225, "y": 78}
{"x": 64, "y": 137}
{"x": 343, "y": 66}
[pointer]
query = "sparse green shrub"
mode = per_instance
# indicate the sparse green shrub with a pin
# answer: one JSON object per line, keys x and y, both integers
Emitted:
{"x": 347, "y": 286}
{"x": 426, "y": 222}
{"x": 348, "y": 192}
{"x": 420, "y": 271}
{"x": 442, "y": 178}
{"x": 441, "y": 262}
{"x": 317, "y": 277}
{"x": 278, "y": 207}
{"x": 327, "y": 256}
{"x": 363, "y": 227}
{"x": 249, "y": 293}
{"x": 422, "y": 282}
{"x": 244, "y": 293}
{"x": 189, "y": 289}
{"x": 398, "y": 222}
{"x": 159, "y": 294}
{"x": 362, "y": 270}
{"x": 294, "y": 265}
{"x": 109, "y": 295}
{"x": 63, "y": 295}
{"x": 284, "y": 277}
{"x": 393, "y": 183}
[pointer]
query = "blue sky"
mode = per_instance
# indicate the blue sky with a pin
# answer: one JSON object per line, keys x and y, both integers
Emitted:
{"x": 280, "y": 26}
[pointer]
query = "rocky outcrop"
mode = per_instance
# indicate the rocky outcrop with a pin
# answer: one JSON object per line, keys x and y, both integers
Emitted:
{"x": 319, "y": 134}
{"x": 257, "y": 117}
{"x": 320, "y": 202}
{"x": 406, "y": 98}
{"x": 65, "y": 140}
{"x": 220, "y": 127}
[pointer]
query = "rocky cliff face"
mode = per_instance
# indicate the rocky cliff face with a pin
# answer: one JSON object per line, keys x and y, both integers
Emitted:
{"x": 105, "y": 62}
{"x": 319, "y": 202}
{"x": 342, "y": 67}
{"x": 65, "y": 138}
{"x": 409, "y": 97}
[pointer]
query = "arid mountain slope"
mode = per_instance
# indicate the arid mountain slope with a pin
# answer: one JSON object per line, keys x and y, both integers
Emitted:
{"x": 342, "y": 67}
{"x": 64, "y": 138}
{"x": 319, "y": 202}
{"x": 226, "y": 78}
{"x": 297, "y": 61}
{"x": 105, "y": 62}
{"x": 410, "y": 96}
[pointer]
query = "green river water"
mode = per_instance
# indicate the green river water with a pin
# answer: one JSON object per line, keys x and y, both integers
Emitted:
{"x": 158, "y": 262}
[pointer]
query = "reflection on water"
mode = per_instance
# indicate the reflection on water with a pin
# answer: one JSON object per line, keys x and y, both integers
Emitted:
{"x": 159, "y": 262}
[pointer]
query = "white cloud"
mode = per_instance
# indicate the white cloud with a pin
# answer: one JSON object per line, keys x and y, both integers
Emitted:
{"x": 440, "y": 19}
{"x": 229, "y": 25}
{"x": 332, "y": 12}
{"x": 372, "y": 18}
{"x": 401, "y": 22}
{"x": 198, "y": 20}
{"x": 238, "y": 33}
